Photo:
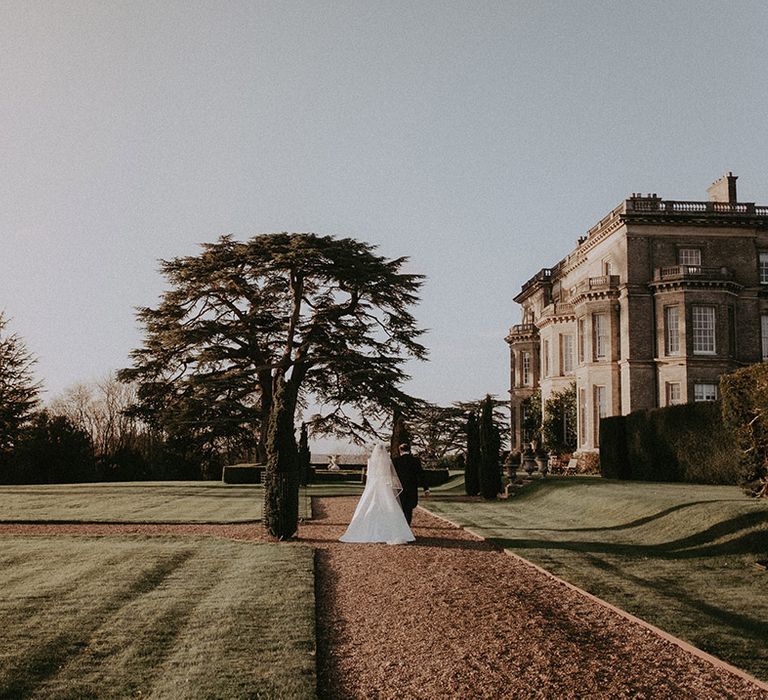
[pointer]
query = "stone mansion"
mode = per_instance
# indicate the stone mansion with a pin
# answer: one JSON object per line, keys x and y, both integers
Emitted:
{"x": 657, "y": 300}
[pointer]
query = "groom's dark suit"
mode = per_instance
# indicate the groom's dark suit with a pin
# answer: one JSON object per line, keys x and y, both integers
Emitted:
{"x": 411, "y": 476}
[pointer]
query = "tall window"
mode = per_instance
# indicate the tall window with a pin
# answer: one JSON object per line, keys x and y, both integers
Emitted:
{"x": 704, "y": 392}
{"x": 763, "y": 268}
{"x": 545, "y": 359}
{"x": 672, "y": 330}
{"x": 690, "y": 257}
{"x": 703, "y": 330}
{"x": 600, "y": 329}
{"x": 582, "y": 340}
{"x": 764, "y": 334}
{"x": 600, "y": 409}
{"x": 567, "y": 354}
{"x": 607, "y": 268}
{"x": 526, "y": 369}
{"x": 673, "y": 393}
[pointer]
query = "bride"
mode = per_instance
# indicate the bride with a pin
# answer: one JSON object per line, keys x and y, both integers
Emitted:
{"x": 378, "y": 516}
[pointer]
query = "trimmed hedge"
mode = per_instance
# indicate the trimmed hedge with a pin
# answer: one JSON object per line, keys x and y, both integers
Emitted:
{"x": 614, "y": 460}
{"x": 687, "y": 443}
{"x": 242, "y": 473}
{"x": 435, "y": 477}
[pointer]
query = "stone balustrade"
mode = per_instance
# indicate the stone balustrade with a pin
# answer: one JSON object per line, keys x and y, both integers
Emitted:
{"x": 669, "y": 206}
{"x": 601, "y": 283}
{"x": 558, "y": 308}
{"x": 680, "y": 272}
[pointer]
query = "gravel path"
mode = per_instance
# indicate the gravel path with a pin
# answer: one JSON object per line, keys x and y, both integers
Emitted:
{"x": 449, "y": 616}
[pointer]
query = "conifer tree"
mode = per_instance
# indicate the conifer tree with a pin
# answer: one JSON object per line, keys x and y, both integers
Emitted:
{"x": 490, "y": 445}
{"x": 249, "y": 329}
{"x": 472, "y": 465}
{"x": 18, "y": 389}
{"x": 305, "y": 456}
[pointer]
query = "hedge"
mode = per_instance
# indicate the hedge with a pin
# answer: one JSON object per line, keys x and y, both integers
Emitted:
{"x": 745, "y": 412}
{"x": 614, "y": 460}
{"x": 242, "y": 474}
{"x": 687, "y": 443}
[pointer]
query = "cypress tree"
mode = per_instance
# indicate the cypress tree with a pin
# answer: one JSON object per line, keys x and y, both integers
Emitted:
{"x": 305, "y": 456}
{"x": 471, "y": 468}
{"x": 490, "y": 444}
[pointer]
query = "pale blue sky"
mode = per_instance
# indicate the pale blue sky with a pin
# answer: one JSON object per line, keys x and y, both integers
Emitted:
{"x": 479, "y": 138}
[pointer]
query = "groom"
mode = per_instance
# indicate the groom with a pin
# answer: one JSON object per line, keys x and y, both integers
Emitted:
{"x": 411, "y": 476}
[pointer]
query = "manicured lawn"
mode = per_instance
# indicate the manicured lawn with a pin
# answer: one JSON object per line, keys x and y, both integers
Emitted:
{"x": 155, "y": 617}
{"x": 137, "y": 502}
{"x": 680, "y": 556}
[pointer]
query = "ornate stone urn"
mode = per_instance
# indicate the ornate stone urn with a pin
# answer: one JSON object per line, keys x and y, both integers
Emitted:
{"x": 512, "y": 463}
{"x": 529, "y": 461}
{"x": 542, "y": 461}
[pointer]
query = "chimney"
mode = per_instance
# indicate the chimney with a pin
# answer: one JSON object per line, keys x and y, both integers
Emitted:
{"x": 723, "y": 189}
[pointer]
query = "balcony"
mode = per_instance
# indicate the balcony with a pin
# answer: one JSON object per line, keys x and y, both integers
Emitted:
{"x": 692, "y": 272}
{"x": 522, "y": 332}
{"x": 603, "y": 283}
{"x": 557, "y": 310}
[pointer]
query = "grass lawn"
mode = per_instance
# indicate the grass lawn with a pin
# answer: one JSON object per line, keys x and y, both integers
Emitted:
{"x": 137, "y": 502}
{"x": 680, "y": 556}
{"x": 155, "y": 617}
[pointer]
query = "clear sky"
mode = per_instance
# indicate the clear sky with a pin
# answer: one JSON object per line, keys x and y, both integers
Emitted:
{"x": 479, "y": 138}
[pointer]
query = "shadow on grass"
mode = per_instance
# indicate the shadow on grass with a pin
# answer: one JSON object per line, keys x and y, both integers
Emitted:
{"x": 743, "y": 625}
{"x": 46, "y": 660}
{"x": 750, "y": 530}
{"x": 634, "y": 523}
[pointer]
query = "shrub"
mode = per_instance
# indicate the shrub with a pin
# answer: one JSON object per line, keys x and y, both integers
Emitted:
{"x": 531, "y": 417}
{"x": 614, "y": 460}
{"x": 678, "y": 443}
{"x": 305, "y": 457}
{"x": 745, "y": 412}
{"x": 490, "y": 445}
{"x": 242, "y": 474}
{"x": 471, "y": 467}
{"x": 589, "y": 463}
{"x": 558, "y": 427}
{"x": 435, "y": 477}
{"x": 53, "y": 451}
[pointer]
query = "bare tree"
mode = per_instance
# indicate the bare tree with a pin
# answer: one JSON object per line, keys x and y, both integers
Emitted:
{"x": 100, "y": 409}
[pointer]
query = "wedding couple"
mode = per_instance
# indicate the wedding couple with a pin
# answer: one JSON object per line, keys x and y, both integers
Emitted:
{"x": 384, "y": 511}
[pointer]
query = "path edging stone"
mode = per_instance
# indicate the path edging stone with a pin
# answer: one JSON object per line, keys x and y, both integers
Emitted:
{"x": 685, "y": 646}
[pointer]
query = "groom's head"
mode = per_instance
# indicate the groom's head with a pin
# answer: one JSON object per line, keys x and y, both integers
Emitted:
{"x": 405, "y": 449}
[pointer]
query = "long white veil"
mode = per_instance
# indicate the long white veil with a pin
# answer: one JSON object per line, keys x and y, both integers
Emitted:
{"x": 378, "y": 515}
{"x": 381, "y": 471}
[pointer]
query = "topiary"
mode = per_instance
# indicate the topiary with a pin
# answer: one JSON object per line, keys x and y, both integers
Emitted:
{"x": 472, "y": 465}
{"x": 490, "y": 445}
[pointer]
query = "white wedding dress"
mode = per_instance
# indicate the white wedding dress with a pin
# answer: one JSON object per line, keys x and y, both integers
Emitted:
{"x": 378, "y": 516}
